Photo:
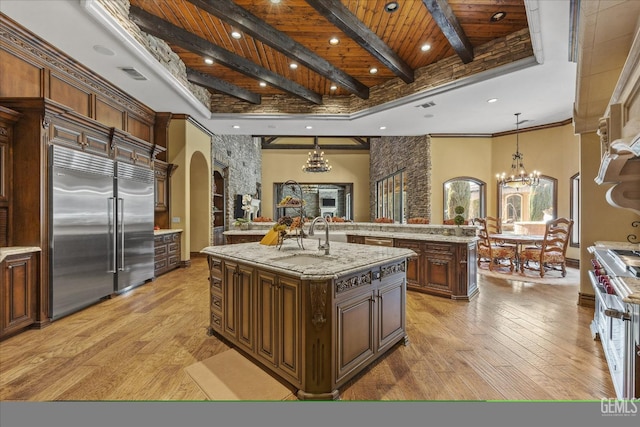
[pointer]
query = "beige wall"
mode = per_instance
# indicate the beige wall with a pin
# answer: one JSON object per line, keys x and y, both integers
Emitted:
{"x": 554, "y": 151}
{"x": 458, "y": 157}
{"x": 347, "y": 167}
{"x": 185, "y": 141}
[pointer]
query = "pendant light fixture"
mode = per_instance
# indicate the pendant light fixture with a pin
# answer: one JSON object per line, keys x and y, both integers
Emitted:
{"x": 316, "y": 161}
{"x": 518, "y": 178}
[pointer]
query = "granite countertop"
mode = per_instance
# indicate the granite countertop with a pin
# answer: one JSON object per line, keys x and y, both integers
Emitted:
{"x": 310, "y": 263}
{"x": 16, "y": 250}
{"x": 166, "y": 231}
{"x": 368, "y": 233}
{"x": 630, "y": 285}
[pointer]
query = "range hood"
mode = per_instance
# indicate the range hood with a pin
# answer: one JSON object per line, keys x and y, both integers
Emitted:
{"x": 620, "y": 166}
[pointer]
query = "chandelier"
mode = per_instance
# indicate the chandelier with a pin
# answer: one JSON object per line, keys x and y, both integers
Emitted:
{"x": 316, "y": 161}
{"x": 519, "y": 177}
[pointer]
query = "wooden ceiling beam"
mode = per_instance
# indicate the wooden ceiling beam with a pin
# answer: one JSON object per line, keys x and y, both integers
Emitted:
{"x": 175, "y": 35}
{"x": 240, "y": 18}
{"x": 218, "y": 85}
{"x": 336, "y": 13}
{"x": 448, "y": 23}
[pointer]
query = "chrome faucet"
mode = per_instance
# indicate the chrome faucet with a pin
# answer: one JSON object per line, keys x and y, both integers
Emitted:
{"x": 326, "y": 233}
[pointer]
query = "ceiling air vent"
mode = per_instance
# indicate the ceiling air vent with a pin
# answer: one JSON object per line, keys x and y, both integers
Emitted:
{"x": 133, "y": 73}
{"x": 428, "y": 104}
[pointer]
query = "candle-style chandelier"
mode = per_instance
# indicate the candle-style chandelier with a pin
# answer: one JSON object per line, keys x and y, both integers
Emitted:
{"x": 316, "y": 161}
{"x": 519, "y": 177}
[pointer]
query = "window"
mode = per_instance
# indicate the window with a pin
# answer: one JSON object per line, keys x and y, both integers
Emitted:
{"x": 526, "y": 210}
{"x": 391, "y": 197}
{"x": 575, "y": 210}
{"x": 466, "y": 192}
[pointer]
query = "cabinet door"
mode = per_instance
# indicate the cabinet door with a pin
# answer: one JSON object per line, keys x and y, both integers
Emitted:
{"x": 17, "y": 302}
{"x": 440, "y": 268}
{"x": 414, "y": 265}
{"x": 391, "y": 313}
{"x": 354, "y": 333}
{"x": 288, "y": 326}
{"x": 245, "y": 306}
{"x": 161, "y": 191}
{"x": 266, "y": 337}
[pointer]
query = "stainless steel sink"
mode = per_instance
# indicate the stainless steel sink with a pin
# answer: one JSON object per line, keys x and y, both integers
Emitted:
{"x": 305, "y": 259}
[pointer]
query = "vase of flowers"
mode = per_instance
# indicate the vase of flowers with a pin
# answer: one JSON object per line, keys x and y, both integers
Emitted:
{"x": 458, "y": 219}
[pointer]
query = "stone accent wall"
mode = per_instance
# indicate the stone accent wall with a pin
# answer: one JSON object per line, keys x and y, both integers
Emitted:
{"x": 242, "y": 155}
{"x": 389, "y": 155}
{"x": 119, "y": 9}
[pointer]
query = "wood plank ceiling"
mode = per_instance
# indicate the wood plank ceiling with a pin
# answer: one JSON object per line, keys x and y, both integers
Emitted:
{"x": 275, "y": 34}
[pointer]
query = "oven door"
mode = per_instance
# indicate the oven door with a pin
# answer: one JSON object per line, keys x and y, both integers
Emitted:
{"x": 612, "y": 329}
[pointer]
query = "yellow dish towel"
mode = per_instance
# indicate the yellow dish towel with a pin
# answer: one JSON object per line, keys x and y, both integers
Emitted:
{"x": 270, "y": 239}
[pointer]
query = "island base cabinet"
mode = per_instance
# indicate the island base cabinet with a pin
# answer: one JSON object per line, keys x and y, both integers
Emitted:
{"x": 18, "y": 293}
{"x": 314, "y": 335}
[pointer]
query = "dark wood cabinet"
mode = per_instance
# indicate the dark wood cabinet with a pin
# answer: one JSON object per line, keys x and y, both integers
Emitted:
{"x": 445, "y": 269}
{"x": 316, "y": 335}
{"x": 8, "y": 118}
{"x": 162, "y": 192}
{"x": 219, "y": 207}
{"x": 18, "y": 292}
{"x": 243, "y": 238}
{"x": 167, "y": 252}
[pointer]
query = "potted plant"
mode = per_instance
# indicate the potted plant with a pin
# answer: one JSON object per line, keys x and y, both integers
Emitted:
{"x": 458, "y": 219}
{"x": 241, "y": 223}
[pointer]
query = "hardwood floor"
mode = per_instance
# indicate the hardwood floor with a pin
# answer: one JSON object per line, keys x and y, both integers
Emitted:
{"x": 515, "y": 341}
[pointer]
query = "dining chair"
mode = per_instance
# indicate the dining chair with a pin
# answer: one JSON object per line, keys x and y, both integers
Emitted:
{"x": 552, "y": 253}
{"x": 494, "y": 225}
{"x": 489, "y": 251}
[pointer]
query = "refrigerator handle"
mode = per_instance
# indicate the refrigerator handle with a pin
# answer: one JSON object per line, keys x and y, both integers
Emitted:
{"x": 121, "y": 223}
{"x": 112, "y": 233}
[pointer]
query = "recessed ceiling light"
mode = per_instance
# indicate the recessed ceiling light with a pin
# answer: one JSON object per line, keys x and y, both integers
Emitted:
{"x": 208, "y": 61}
{"x": 275, "y": 1}
{"x": 333, "y": 87}
{"x": 383, "y": 127}
{"x": 425, "y": 47}
{"x": 498, "y": 16}
{"x": 391, "y": 6}
{"x": 236, "y": 34}
{"x": 103, "y": 50}
{"x": 236, "y": 126}
{"x": 492, "y": 100}
{"x": 373, "y": 70}
{"x": 308, "y": 127}
{"x": 334, "y": 41}
{"x": 263, "y": 84}
{"x": 293, "y": 65}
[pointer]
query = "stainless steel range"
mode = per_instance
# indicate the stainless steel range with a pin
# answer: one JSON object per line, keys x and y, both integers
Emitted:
{"x": 616, "y": 321}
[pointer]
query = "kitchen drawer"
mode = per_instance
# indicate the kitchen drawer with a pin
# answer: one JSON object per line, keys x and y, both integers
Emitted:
{"x": 216, "y": 283}
{"x": 161, "y": 251}
{"x": 216, "y": 321}
{"x": 173, "y": 248}
{"x": 216, "y": 302}
{"x": 160, "y": 264}
{"x": 173, "y": 261}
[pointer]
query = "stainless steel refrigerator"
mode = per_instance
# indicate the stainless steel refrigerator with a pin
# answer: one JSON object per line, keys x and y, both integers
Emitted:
{"x": 101, "y": 229}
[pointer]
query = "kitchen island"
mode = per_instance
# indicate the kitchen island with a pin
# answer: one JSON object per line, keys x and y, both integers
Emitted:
{"x": 313, "y": 320}
{"x": 445, "y": 263}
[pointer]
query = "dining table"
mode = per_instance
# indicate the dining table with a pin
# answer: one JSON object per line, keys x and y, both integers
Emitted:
{"x": 518, "y": 240}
